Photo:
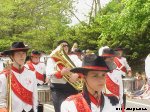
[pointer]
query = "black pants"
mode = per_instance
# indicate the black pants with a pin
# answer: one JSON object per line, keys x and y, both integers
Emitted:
{"x": 58, "y": 97}
{"x": 124, "y": 95}
{"x": 124, "y": 100}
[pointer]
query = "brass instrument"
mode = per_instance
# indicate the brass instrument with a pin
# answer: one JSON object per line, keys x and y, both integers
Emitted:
{"x": 9, "y": 90}
{"x": 60, "y": 54}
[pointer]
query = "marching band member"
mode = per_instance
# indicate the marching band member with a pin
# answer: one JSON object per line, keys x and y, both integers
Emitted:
{"x": 60, "y": 88}
{"x": 38, "y": 67}
{"x": 122, "y": 65}
{"x": 147, "y": 71}
{"x": 23, "y": 81}
{"x": 147, "y": 68}
{"x": 74, "y": 47}
{"x": 113, "y": 84}
{"x": 92, "y": 99}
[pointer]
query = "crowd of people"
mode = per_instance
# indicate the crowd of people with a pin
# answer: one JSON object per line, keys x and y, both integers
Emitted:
{"x": 99, "y": 75}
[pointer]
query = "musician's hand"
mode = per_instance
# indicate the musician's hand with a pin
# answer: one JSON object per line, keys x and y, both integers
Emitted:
{"x": 65, "y": 71}
{"x": 3, "y": 110}
{"x": 73, "y": 77}
{"x": 130, "y": 74}
{"x": 47, "y": 80}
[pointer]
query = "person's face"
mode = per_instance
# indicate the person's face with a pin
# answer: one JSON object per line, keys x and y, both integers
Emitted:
{"x": 95, "y": 80}
{"x": 110, "y": 63}
{"x": 109, "y": 59}
{"x": 65, "y": 46}
{"x": 35, "y": 59}
{"x": 19, "y": 57}
{"x": 120, "y": 52}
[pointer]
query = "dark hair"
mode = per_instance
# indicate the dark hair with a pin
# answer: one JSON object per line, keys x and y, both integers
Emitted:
{"x": 36, "y": 52}
{"x": 62, "y": 41}
{"x": 78, "y": 50}
{"x": 86, "y": 95}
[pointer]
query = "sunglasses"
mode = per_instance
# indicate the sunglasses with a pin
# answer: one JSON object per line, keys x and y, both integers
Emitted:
{"x": 65, "y": 45}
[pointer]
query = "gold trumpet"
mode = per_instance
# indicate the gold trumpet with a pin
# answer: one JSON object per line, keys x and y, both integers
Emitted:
{"x": 60, "y": 54}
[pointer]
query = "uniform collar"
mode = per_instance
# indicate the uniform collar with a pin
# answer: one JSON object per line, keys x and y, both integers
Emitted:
{"x": 94, "y": 100}
{"x": 17, "y": 70}
{"x": 119, "y": 57}
{"x": 35, "y": 63}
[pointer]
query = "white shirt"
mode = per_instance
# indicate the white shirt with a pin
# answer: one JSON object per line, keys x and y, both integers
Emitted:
{"x": 1, "y": 64}
{"x": 147, "y": 66}
{"x": 115, "y": 76}
{"x": 44, "y": 59}
{"x": 124, "y": 63}
{"x": 69, "y": 106}
{"x": 40, "y": 67}
{"x": 51, "y": 69}
{"x": 28, "y": 80}
{"x": 3, "y": 88}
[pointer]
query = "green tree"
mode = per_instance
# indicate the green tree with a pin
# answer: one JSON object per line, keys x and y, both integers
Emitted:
{"x": 39, "y": 23}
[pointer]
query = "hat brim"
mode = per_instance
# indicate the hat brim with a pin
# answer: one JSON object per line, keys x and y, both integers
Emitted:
{"x": 83, "y": 69}
{"x": 108, "y": 55}
{"x": 8, "y": 52}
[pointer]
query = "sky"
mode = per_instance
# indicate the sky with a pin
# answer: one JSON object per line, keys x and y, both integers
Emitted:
{"x": 83, "y": 7}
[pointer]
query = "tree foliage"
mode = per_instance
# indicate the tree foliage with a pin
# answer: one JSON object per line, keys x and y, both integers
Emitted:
{"x": 128, "y": 27}
{"x": 39, "y": 23}
{"x": 123, "y": 23}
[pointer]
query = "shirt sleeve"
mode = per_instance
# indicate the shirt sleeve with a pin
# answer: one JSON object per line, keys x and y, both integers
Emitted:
{"x": 50, "y": 68}
{"x": 120, "y": 86}
{"x": 3, "y": 92}
{"x": 51, "y": 71}
{"x": 0, "y": 86}
{"x": 35, "y": 94}
{"x": 44, "y": 68}
{"x": 147, "y": 66}
{"x": 127, "y": 65}
{"x": 75, "y": 60}
{"x": 68, "y": 106}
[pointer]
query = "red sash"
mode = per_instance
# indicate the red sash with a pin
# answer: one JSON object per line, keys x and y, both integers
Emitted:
{"x": 61, "y": 66}
{"x": 111, "y": 86}
{"x": 80, "y": 103}
{"x": 39, "y": 76}
{"x": 119, "y": 65}
{"x": 23, "y": 94}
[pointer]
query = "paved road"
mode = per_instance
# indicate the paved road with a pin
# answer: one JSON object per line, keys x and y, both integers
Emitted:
{"x": 48, "y": 108}
{"x": 138, "y": 104}
{"x": 132, "y": 104}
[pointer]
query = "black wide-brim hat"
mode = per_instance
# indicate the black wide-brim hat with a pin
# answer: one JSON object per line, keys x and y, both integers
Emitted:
{"x": 108, "y": 52}
{"x": 91, "y": 62}
{"x": 16, "y": 46}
